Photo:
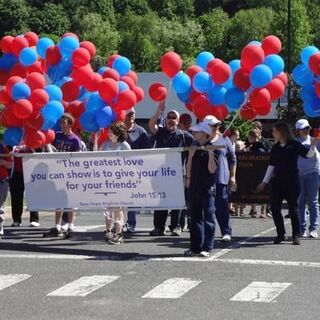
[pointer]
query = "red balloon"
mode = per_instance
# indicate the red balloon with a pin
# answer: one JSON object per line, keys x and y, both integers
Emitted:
{"x": 5, "y": 44}
{"x": 35, "y": 121}
{"x": 34, "y": 138}
{"x": 110, "y": 60}
{"x": 50, "y": 136}
{"x": 36, "y": 67}
{"x": 108, "y": 89}
{"x": 80, "y": 57}
{"x": 90, "y": 47}
{"x": 171, "y": 64}
{"x": 126, "y": 99}
{"x": 4, "y": 76}
{"x": 76, "y": 108}
{"x": 192, "y": 71}
{"x": 36, "y": 80}
{"x": 19, "y": 43}
{"x": 104, "y": 135}
{"x": 220, "y": 112}
{"x": 131, "y": 74}
{"x": 93, "y": 83}
{"x": 11, "y": 82}
{"x": 241, "y": 79}
{"x": 9, "y": 120}
{"x": 247, "y": 113}
{"x": 251, "y": 56}
{"x": 189, "y": 106}
{"x": 276, "y": 88}
{"x": 32, "y": 38}
{"x": 259, "y": 97}
{"x": 5, "y": 97}
{"x": 314, "y": 63}
{"x": 158, "y": 92}
{"x": 202, "y": 108}
{"x": 139, "y": 93}
{"x": 129, "y": 81}
{"x": 220, "y": 73}
{"x": 264, "y": 110}
{"x": 83, "y": 75}
{"x": 38, "y": 98}
{"x": 53, "y": 55}
{"x": 70, "y": 91}
{"x": 212, "y": 63}
{"x": 283, "y": 77}
{"x": 22, "y": 109}
{"x": 19, "y": 70}
{"x": 271, "y": 45}
{"x": 112, "y": 74}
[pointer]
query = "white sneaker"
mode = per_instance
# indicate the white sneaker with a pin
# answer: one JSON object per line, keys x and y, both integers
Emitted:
{"x": 34, "y": 224}
{"x": 1, "y": 225}
{"x": 205, "y": 254}
{"x": 313, "y": 234}
{"x": 226, "y": 238}
{"x": 305, "y": 234}
{"x": 65, "y": 227}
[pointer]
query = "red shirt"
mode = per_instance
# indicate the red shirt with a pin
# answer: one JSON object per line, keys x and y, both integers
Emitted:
{"x": 4, "y": 173}
{"x": 18, "y": 161}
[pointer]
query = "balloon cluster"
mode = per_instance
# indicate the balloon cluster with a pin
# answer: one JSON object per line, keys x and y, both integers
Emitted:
{"x": 214, "y": 87}
{"x": 41, "y": 80}
{"x": 307, "y": 75}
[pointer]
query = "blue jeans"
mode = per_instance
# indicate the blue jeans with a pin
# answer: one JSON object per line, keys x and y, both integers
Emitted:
{"x": 222, "y": 209}
{"x": 202, "y": 227}
{"x": 309, "y": 190}
{"x": 132, "y": 219}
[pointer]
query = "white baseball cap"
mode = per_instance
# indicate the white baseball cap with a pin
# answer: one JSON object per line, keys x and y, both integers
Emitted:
{"x": 129, "y": 111}
{"x": 175, "y": 112}
{"x": 202, "y": 127}
{"x": 211, "y": 120}
{"x": 302, "y": 124}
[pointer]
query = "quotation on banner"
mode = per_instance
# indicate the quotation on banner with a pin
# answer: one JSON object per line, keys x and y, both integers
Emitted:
{"x": 100, "y": 180}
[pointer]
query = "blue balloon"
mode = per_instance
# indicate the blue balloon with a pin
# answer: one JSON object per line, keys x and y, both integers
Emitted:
{"x": 104, "y": 117}
{"x": 67, "y": 45}
{"x": 203, "y": 59}
{"x": 306, "y": 53}
{"x": 42, "y": 45}
{"x": 260, "y": 76}
{"x": 122, "y": 65}
{"x": 202, "y": 82}
{"x": 275, "y": 63}
{"x": 54, "y": 92}
{"x": 63, "y": 69}
{"x": 216, "y": 95}
{"x": 101, "y": 70}
{"x": 12, "y": 136}
{"x": 94, "y": 102}
{"x": 7, "y": 61}
{"x": 255, "y": 42}
{"x": 308, "y": 93}
{"x": 184, "y": 96}
{"x": 28, "y": 56}
{"x": 229, "y": 83}
{"x": 311, "y": 109}
{"x": 234, "y": 65}
{"x": 181, "y": 82}
{"x": 20, "y": 90}
{"x": 52, "y": 111}
{"x": 123, "y": 86}
{"x": 302, "y": 75}
{"x": 88, "y": 121}
{"x": 48, "y": 124}
{"x": 234, "y": 98}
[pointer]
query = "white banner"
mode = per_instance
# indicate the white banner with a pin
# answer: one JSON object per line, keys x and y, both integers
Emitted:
{"x": 100, "y": 180}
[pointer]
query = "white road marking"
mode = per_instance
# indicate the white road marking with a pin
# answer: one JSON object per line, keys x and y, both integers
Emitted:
{"x": 261, "y": 291}
{"x": 173, "y": 288}
{"x": 83, "y": 286}
{"x": 8, "y": 280}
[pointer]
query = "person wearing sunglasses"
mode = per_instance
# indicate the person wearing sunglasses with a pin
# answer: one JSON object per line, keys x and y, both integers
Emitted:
{"x": 169, "y": 136}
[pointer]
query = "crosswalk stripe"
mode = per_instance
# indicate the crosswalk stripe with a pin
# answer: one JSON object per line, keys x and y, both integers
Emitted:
{"x": 172, "y": 288}
{"x": 83, "y": 286}
{"x": 8, "y": 280}
{"x": 261, "y": 291}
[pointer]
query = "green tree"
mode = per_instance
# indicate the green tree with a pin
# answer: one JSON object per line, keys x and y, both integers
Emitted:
{"x": 139, "y": 7}
{"x": 173, "y": 8}
{"x": 13, "y": 16}
{"x": 50, "y": 19}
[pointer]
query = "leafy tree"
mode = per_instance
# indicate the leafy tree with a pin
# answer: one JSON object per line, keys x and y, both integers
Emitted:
{"x": 172, "y": 9}
{"x": 139, "y": 7}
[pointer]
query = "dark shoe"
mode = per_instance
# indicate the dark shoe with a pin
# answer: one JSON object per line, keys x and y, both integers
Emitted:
{"x": 287, "y": 216}
{"x": 279, "y": 239}
{"x": 190, "y": 253}
{"x": 116, "y": 239}
{"x": 157, "y": 233}
{"x": 53, "y": 233}
{"x": 296, "y": 241}
{"x": 69, "y": 234}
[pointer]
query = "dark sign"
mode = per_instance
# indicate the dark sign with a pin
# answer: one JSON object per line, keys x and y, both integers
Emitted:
{"x": 251, "y": 168}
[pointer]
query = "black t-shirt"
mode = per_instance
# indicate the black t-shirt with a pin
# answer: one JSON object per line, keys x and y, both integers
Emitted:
{"x": 258, "y": 147}
{"x": 138, "y": 138}
{"x": 284, "y": 159}
{"x": 164, "y": 138}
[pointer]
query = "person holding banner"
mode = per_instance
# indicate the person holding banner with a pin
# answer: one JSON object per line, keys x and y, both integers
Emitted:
{"x": 116, "y": 141}
{"x": 65, "y": 141}
{"x": 283, "y": 170}
{"x": 225, "y": 176}
{"x": 201, "y": 167}
{"x": 169, "y": 136}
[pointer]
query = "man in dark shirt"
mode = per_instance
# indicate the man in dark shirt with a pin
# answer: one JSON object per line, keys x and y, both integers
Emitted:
{"x": 168, "y": 137}
{"x": 137, "y": 138}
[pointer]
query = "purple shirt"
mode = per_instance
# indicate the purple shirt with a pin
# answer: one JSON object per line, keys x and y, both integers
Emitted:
{"x": 67, "y": 143}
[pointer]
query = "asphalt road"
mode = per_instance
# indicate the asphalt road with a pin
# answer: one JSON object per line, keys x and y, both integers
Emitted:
{"x": 149, "y": 278}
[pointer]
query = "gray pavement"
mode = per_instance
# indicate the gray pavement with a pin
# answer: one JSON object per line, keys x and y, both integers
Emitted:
{"x": 233, "y": 284}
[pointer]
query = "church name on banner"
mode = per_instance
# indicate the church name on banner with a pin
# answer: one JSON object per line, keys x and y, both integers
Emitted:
{"x": 101, "y": 180}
